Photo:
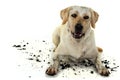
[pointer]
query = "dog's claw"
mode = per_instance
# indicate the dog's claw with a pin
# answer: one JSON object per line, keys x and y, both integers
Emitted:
{"x": 104, "y": 72}
{"x": 51, "y": 71}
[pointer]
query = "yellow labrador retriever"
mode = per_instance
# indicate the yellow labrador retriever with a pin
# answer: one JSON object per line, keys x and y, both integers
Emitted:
{"x": 75, "y": 38}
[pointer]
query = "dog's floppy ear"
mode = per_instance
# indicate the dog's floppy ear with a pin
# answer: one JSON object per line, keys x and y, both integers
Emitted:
{"x": 94, "y": 18}
{"x": 64, "y": 14}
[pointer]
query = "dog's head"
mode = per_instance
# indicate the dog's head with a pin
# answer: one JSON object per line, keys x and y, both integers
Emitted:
{"x": 79, "y": 19}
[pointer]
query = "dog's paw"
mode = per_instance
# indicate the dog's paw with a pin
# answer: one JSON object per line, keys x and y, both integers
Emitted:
{"x": 104, "y": 72}
{"x": 51, "y": 71}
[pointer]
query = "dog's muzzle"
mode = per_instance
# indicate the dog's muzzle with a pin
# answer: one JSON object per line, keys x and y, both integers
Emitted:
{"x": 78, "y": 31}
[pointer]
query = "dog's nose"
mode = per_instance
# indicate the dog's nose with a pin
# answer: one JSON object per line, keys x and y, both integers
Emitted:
{"x": 78, "y": 27}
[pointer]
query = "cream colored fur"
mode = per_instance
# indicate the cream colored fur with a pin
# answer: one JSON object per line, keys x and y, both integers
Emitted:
{"x": 76, "y": 49}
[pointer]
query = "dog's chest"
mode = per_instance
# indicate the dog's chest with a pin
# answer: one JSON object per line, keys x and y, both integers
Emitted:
{"x": 77, "y": 50}
{"x": 82, "y": 49}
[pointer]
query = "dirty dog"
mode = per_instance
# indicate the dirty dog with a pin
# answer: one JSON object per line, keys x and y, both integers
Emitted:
{"x": 75, "y": 38}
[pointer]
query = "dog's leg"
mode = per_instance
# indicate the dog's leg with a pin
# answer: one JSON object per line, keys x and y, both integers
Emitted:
{"x": 100, "y": 68}
{"x": 56, "y": 38}
{"x": 53, "y": 69}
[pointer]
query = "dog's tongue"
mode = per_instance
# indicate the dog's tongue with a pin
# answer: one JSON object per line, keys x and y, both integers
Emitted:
{"x": 78, "y": 33}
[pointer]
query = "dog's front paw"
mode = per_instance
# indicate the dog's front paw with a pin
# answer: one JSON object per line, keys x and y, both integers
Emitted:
{"x": 51, "y": 71}
{"x": 104, "y": 71}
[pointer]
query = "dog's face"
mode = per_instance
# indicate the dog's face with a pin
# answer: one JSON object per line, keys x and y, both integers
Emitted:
{"x": 79, "y": 19}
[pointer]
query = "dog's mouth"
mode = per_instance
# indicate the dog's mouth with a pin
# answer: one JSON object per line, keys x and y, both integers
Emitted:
{"x": 77, "y": 35}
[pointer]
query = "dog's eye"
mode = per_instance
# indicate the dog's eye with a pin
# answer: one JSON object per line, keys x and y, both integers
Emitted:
{"x": 74, "y": 15}
{"x": 86, "y": 17}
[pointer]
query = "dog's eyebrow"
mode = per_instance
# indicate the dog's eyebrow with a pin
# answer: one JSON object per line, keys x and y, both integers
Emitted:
{"x": 85, "y": 12}
{"x": 74, "y": 11}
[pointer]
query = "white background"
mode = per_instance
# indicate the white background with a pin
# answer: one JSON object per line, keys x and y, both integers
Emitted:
{"x": 36, "y": 20}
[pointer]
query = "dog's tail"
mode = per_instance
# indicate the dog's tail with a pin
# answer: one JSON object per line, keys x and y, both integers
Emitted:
{"x": 100, "y": 49}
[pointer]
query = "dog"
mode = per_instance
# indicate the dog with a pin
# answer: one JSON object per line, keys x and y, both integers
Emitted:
{"x": 75, "y": 38}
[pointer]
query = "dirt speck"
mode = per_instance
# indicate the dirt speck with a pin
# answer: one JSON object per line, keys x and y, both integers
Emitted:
{"x": 24, "y": 45}
{"x": 37, "y": 60}
{"x": 29, "y": 76}
{"x": 43, "y": 60}
{"x": 40, "y": 50}
{"x": 19, "y": 65}
{"x": 73, "y": 69}
{"x": 30, "y": 58}
{"x": 75, "y": 73}
{"x": 27, "y": 43}
{"x": 41, "y": 66}
{"x": 50, "y": 50}
{"x": 91, "y": 72}
{"x": 16, "y": 46}
{"x": 43, "y": 40}
{"x": 107, "y": 66}
{"x": 82, "y": 70}
{"x": 48, "y": 62}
